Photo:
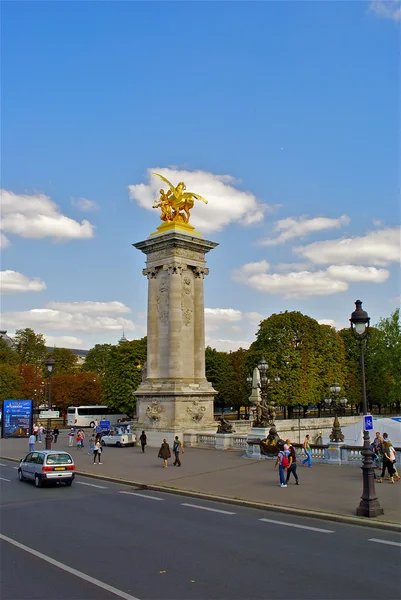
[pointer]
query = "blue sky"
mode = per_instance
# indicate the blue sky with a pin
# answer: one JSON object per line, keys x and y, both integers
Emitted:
{"x": 297, "y": 103}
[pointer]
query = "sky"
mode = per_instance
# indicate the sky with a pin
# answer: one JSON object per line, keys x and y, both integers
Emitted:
{"x": 283, "y": 115}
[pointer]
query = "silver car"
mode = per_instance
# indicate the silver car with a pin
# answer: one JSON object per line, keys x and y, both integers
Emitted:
{"x": 47, "y": 465}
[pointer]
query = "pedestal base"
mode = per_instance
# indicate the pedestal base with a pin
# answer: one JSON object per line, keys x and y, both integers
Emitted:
{"x": 334, "y": 453}
{"x": 369, "y": 508}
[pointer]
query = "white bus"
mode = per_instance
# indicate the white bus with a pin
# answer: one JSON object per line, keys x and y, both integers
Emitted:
{"x": 85, "y": 416}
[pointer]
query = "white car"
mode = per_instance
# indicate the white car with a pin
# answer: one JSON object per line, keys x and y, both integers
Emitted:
{"x": 119, "y": 439}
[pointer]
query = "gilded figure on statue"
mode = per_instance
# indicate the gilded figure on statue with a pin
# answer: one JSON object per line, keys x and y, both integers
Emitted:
{"x": 176, "y": 203}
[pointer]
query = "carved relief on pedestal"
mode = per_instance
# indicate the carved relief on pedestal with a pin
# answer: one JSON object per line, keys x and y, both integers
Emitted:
{"x": 163, "y": 300}
{"x": 150, "y": 273}
{"x": 196, "y": 411}
{"x": 174, "y": 267}
{"x": 154, "y": 411}
{"x": 187, "y": 300}
{"x": 200, "y": 272}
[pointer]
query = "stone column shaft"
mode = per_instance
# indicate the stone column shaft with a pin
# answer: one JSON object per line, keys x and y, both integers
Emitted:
{"x": 199, "y": 324}
{"x": 175, "y": 366}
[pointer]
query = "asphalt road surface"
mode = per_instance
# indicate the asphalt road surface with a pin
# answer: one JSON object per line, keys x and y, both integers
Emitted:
{"x": 98, "y": 540}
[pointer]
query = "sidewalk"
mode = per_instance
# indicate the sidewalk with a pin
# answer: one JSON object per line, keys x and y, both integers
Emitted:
{"x": 324, "y": 488}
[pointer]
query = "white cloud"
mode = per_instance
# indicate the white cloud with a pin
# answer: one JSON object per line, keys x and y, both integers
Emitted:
{"x": 4, "y": 242}
{"x": 223, "y": 345}
{"x": 387, "y": 9}
{"x": 294, "y": 227}
{"x": 215, "y": 317}
{"x": 44, "y": 319}
{"x": 13, "y": 282}
{"x": 226, "y": 204}
{"x": 356, "y": 273}
{"x": 333, "y": 280}
{"x": 95, "y": 308}
{"x": 85, "y": 205}
{"x": 376, "y": 248}
{"x": 37, "y": 216}
{"x": 254, "y": 318}
{"x": 327, "y": 322}
{"x": 63, "y": 341}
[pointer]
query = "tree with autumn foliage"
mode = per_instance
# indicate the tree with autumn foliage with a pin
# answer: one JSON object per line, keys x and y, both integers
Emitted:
{"x": 75, "y": 389}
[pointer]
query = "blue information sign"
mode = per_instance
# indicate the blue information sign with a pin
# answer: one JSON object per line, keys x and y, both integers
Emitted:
{"x": 17, "y": 418}
{"x": 105, "y": 424}
{"x": 368, "y": 423}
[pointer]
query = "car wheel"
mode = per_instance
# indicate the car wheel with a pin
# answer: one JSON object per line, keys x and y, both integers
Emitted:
{"x": 38, "y": 481}
{"x": 69, "y": 483}
{"x": 103, "y": 443}
{"x": 118, "y": 444}
{"x": 20, "y": 476}
{"x": 92, "y": 424}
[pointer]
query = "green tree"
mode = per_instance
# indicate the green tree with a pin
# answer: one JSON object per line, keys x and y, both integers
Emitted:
{"x": 240, "y": 385}
{"x": 220, "y": 372}
{"x": 97, "y": 359}
{"x": 8, "y": 356}
{"x": 10, "y": 382}
{"x": 65, "y": 361}
{"x": 123, "y": 374}
{"x": 305, "y": 355}
{"x": 390, "y": 354}
{"x": 30, "y": 347}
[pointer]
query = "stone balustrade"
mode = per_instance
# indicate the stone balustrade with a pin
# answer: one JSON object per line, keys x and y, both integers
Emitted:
{"x": 349, "y": 455}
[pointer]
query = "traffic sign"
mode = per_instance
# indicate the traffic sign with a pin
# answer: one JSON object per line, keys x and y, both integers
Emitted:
{"x": 105, "y": 424}
{"x": 367, "y": 422}
{"x": 49, "y": 414}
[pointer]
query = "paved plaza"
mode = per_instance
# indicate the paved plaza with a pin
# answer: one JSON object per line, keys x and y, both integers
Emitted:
{"x": 323, "y": 488}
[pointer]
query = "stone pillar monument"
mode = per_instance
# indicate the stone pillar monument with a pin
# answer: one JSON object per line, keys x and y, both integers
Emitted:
{"x": 174, "y": 396}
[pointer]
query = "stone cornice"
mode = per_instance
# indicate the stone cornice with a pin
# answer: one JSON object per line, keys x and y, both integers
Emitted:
{"x": 167, "y": 241}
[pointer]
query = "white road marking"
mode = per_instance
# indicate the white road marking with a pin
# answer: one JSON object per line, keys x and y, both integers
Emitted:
{"x": 142, "y": 495}
{"x": 4, "y": 479}
{"x": 297, "y": 526}
{"x": 16, "y": 468}
{"x": 64, "y": 567}
{"x": 101, "y": 487}
{"x": 3, "y": 465}
{"x": 384, "y": 542}
{"x": 224, "y": 512}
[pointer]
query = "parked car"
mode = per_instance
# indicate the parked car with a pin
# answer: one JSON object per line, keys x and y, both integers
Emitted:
{"x": 119, "y": 435}
{"x": 46, "y": 466}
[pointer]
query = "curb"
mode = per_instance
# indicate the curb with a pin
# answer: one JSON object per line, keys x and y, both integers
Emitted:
{"x": 289, "y": 510}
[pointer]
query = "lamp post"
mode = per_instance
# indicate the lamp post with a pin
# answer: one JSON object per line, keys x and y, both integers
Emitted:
{"x": 360, "y": 329}
{"x": 369, "y": 505}
{"x": 264, "y": 413}
{"x": 338, "y": 404}
{"x": 49, "y": 364}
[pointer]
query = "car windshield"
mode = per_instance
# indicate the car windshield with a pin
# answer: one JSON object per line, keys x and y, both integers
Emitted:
{"x": 58, "y": 459}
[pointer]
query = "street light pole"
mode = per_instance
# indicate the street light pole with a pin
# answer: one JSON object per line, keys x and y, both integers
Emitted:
{"x": 49, "y": 364}
{"x": 360, "y": 329}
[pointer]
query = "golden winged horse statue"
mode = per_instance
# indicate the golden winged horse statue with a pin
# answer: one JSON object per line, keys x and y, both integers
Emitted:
{"x": 176, "y": 203}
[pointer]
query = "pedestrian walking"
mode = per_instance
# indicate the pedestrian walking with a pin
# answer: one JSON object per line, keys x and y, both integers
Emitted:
{"x": 386, "y": 465}
{"x": 92, "y": 443}
{"x": 142, "y": 439}
{"x": 390, "y": 457}
{"x": 97, "y": 452}
{"x": 164, "y": 453}
{"x": 55, "y": 434}
{"x": 177, "y": 449}
{"x": 32, "y": 440}
{"x": 82, "y": 434}
{"x": 40, "y": 433}
{"x": 79, "y": 441}
{"x": 283, "y": 463}
{"x": 307, "y": 450}
{"x": 292, "y": 467}
{"x": 71, "y": 436}
{"x": 36, "y": 431}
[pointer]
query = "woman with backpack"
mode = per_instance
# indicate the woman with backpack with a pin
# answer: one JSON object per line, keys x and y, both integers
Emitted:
{"x": 292, "y": 468}
{"x": 283, "y": 463}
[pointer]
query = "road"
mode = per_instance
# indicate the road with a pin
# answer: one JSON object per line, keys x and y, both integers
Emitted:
{"x": 98, "y": 540}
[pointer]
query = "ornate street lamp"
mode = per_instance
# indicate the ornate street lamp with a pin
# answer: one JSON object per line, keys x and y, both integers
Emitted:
{"x": 338, "y": 405}
{"x": 49, "y": 364}
{"x": 360, "y": 329}
{"x": 369, "y": 505}
{"x": 264, "y": 414}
